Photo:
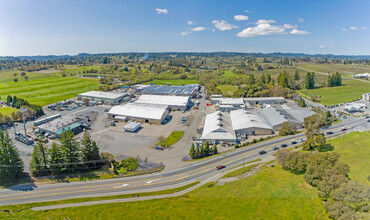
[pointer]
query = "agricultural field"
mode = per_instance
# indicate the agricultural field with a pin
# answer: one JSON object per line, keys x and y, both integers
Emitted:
{"x": 175, "y": 82}
{"x": 333, "y": 68}
{"x": 270, "y": 194}
{"x": 351, "y": 90}
{"x": 43, "y": 89}
{"x": 354, "y": 149}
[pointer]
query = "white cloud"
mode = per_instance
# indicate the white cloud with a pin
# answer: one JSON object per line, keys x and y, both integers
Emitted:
{"x": 363, "y": 28}
{"x": 198, "y": 29}
{"x": 263, "y": 21}
{"x": 353, "y": 28}
{"x": 289, "y": 26}
{"x": 300, "y": 20}
{"x": 240, "y": 18}
{"x": 247, "y": 11}
{"x": 344, "y": 29}
{"x": 322, "y": 46}
{"x": 222, "y": 25}
{"x": 296, "y": 31}
{"x": 190, "y": 22}
{"x": 185, "y": 33}
{"x": 161, "y": 11}
{"x": 261, "y": 30}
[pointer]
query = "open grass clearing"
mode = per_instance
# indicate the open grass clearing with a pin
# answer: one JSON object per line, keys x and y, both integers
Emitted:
{"x": 174, "y": 137}
{"x": 270, "y": 194}
{"x": 240, "y": 171}
{"x": 333, "y": 68}
{"x": 227, "y": 89}
{"x": 351, "y": 90}
{"x": 354, "y": 149}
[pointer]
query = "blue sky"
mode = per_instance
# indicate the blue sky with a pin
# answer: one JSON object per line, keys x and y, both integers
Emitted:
{"x": 74, "y": 26}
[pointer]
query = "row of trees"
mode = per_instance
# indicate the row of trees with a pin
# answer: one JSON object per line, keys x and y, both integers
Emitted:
{"x": 334, "y": 80}
{"x": 66, "y": 156}
{"x": 345, "y": 198}
{"x": 19, "y": 102}
{"x": 202, "y": 151}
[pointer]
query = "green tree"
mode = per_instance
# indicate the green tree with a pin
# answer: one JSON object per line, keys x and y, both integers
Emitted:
{"x": 9, "y": 100}
{"x": 309, "y": 81}
{"x": 296, "y": 75}
{"x": 70, "y": 151}
{"x": 11, "y": 165}
{"x": 215, "y": 151}
{"x": 90, "y": 150}
{"x": 286, "y": 129}
{"x": 39, "y": 162}
{"x": 251, "y": 80}
{"x": 197, "y": 152}
{"x": 207, "y": 150}
{"x": 283, "y": 80}
{"x": 192, "y": 151}
{"x": 268, "y": 78}
{"x": 56, "y": 159}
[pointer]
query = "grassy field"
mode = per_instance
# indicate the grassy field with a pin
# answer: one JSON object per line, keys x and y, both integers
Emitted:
{"x": 351, "y": 90}
{"x": 270, "y": 194}
{"x": 46, "y": 89}
{"x": 240, "y": 171}
{"x": 176, "y": 82}
{"x": 7, "y": 110}
{"x": 227, "y": 89}
{"x": 354, "y": 149}
{"x": 333, "y": 68}
{"x": 174, "y": 137}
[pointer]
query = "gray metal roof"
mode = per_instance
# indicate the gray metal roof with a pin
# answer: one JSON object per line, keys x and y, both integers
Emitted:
{"x": 272, "y": 117}
{"x": 242, "y": 119}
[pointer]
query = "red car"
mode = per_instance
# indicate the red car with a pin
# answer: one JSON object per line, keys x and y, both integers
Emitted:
{"x": 220, "y": 167}
{"x": 344, "y": 129}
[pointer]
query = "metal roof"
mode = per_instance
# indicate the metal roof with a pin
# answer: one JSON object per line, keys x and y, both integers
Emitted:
{"x": 217, "y": 126}
{"x": 105, "y": 95}
{"x": 231, "y": 101}
{"x": 272, "y": 117}
{"x": 242, "y": 119}
{"x": 170, "y": 90}
{"x": 137, "y": 110}
{"x": 168, "y": 100}
{"x": 70, "y": 127}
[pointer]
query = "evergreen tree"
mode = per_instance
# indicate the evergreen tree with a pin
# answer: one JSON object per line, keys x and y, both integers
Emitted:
{"x": 90, "y": 150}
{"x": 207, "y": 150}
{"x": 296, "y": 75}
{"x": 268, "y": 78}
{"x": 215, "y": 151}
{"x": 263, "y": 78}
{"x": 8, "y": 100}
{"x": 329, "y": 81}
{"x": 197, "y": 152}
{"x": 11, "y": 165}
{"x": 38, "y": 165}
{"x": 283, "y": 80}
{"x": 70, "y": 150}
{"x": 202, "y": 152}
{"x": 192, "y": 151}
{"x": 251, "y": 80}
{"x": 309, "y": 81}
{"x": 56, "y": 160}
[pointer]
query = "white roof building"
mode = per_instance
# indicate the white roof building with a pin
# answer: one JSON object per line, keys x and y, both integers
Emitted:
{"x": 141, "y": 112}
{"x": 273, "y": 118}
{"x": 217, "y": 129}
{"x": 107, "y": 97}
{"x": 168, "y": 100}
{"x": 248, "y": 123}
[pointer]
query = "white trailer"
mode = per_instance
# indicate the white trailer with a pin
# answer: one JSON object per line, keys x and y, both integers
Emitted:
{"x": 132, "y": 126}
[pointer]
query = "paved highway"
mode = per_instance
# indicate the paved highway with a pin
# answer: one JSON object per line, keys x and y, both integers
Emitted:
{"x": 198, "y": 171}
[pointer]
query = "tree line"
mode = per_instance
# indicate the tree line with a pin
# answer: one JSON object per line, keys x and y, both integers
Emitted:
{"x": 19, "y": 102}
{"x": 202, "y": 151}
{"x": 344, "y": 198}
{"x": 334, "y": 80}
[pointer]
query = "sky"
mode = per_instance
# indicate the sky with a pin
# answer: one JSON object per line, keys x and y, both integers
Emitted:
{"x": 58, "y": 27}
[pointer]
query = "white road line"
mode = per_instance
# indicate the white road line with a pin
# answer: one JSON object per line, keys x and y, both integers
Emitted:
{"x": 121, "y": 185}
{"x": 150, "y": 181}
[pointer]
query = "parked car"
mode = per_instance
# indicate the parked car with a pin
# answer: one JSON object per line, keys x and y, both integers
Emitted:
{"x": 262, "y": 152}
{"x": 344, "y": 129}
{"x": 276, "y": 148}
{"x": 368, "y": 120}
{"x": 157, "y": 147}
{"x": 284, "y": 145}
{"x": 220, "y": 167}
{"x": 113, "y": 124}
{"x": 367, "y": 116}
{"x": 293, "y": 142}
{"x": 329, "y": 133}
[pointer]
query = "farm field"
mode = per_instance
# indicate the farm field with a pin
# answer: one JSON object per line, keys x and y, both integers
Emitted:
{"x": 333, "y": 68}
{"x": 45, "y": 89}
{"x": 354, "y": 149}
{"x": 270, "y": 194}
{"x": 175, "y": 82}
{"x": 351, "y": 90}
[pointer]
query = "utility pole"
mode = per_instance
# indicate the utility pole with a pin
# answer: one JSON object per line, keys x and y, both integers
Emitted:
{"x": 23, "y": 110}
{"x": 15, "y": 133}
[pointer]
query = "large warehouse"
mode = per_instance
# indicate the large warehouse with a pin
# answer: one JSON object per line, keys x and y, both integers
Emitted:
{"x": 218, "y": 130}
{"x": 174, "y": 102}
{"x": 108, "y": 98}
{"x": 148, "y": 113}
{"x": 248, "y": 123}
{"x": 273, "y": 118}
{"x": 265, "y": 100}
{"x": 57, "y": 126}
{"x": 186, "y": 90}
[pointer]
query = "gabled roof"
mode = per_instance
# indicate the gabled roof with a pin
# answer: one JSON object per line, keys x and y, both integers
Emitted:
{"x": 163, "y": 100}
{"x": 272, "y": 117}
{"x": 217, "y": 127}
{"x": 242, "y": 119}
{"x": 137, "y": 110}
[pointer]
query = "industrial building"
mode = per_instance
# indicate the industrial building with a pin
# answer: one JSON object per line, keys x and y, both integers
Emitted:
{"x": 57, "y": 126}
{"x": 265, "y": 100}
{"x": 186, "y": 90}
{"x": 273, "y": 118}
{"x": 176, "y": 103}
{"x": 108, "y": 98}
{"x": 230, "y": 104}
{"x": 148, "y": 113}
{"x": 248, "y": 123}
{"x": 218, "y": 129}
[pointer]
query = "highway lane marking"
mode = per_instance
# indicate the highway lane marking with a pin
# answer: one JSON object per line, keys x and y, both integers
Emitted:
{"x": 252, "y": 151}
{"x": 123, "y": 185}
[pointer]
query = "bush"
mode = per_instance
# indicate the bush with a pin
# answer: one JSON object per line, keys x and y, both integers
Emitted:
{"x": 236, "y": 146}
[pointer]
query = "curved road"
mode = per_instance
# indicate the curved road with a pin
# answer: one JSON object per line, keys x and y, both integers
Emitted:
{"x": 153, "y": 182}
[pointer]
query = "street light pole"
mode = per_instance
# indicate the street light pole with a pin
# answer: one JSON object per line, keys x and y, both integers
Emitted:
{"x": 23, "y": 110}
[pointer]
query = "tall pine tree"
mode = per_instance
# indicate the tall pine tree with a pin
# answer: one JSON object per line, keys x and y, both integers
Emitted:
{"x": 90, "y": 150}
{"x": 38, "y": 165}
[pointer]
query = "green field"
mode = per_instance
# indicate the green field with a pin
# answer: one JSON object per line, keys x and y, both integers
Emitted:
{"x": 354, "y": 149}
{"x": 333, "y": 68}
{"x": 240, "y": 171}
{"x": 270, "y": 194}
{"x": 227, "y": 89}
{"x": 176, "y": 82}
{"x": 351, "y": 90}
{"x": 45, "y": 89}
{"x": 7, "y": 110}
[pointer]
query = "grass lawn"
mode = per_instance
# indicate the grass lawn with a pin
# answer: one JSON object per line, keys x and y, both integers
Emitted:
{"x": 227, "y": 89}
{"x": 351, "y": 90}
{"x": 354, "y": 149}
{"x": 47, "y": 89}
{"x": 175, "y": 82}
{"x": 174, "y": 137}
{"x": 7, "y": 110}
{"x": 240, "y": 171}
{"x": 333, "y": 68}
{"x": 270, "y": 194}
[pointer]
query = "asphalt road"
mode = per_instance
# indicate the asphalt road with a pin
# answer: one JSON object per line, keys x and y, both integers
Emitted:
{"x": 195, "y": 171}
